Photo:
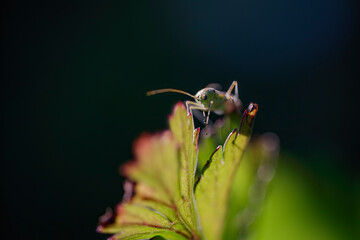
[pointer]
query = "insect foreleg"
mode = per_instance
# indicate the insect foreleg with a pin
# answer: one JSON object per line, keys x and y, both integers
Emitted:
{"x": 195, "y": 106}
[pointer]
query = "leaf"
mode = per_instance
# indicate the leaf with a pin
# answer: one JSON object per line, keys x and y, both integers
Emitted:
{"x": 163, "y": 173}
{"x": 213, "y": 190}
{"x": 159, "y": 197}
{"x": 250, "y": 184}
{"x": 220, "y": 131}
{"x": 154, "y": 154}
{"x": 137, "y": 221}
{"x": 145, "y": 232}
{"x": 182, "y": 127}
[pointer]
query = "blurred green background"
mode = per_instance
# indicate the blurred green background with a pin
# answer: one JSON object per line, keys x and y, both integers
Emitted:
{"x": 74, "y": 77}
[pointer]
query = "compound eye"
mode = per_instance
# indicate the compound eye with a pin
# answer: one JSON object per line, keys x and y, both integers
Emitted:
{"x": 204, "y": 97}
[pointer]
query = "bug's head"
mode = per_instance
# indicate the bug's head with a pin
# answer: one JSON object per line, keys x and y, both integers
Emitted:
{"x": 206, "y": 95}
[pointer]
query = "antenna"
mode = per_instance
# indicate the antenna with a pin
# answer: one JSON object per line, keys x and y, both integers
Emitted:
{"x": 169, "y": 90}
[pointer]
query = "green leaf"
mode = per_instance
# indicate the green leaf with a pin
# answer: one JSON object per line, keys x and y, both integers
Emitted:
{"x": 163, "y": 172}
{"x": 219, "y": 133}
{"x": 250, "y": 184}
{"x": 213, "y": 190}
{"x": 145, "y": 232}
{"x": 182, "y": 127}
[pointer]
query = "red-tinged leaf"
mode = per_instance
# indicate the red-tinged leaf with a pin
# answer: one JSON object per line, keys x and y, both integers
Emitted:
{"x": 163, "y": 172}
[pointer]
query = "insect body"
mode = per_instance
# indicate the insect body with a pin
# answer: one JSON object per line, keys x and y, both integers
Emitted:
{"x": 208, "y": 99}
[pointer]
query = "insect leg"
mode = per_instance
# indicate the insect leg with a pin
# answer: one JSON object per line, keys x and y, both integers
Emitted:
{"x": 208, "y": 114}
{"x": 195, "y": 106}
{"x": 199, "y": 115}
{"x": 204, "y": 115}
{"x": 235, "y": 98}
{"x": 237, "y": 103}
{"x": 228, "y": 92}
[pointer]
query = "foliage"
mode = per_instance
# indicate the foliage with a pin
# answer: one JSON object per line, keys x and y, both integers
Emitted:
{"x": 170, "y": 194}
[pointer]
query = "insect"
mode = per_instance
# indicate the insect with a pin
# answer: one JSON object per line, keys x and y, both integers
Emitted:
{"x": 208, "y": 99}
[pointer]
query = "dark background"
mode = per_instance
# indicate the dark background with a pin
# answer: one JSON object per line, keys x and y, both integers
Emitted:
{"x": 74, "y": 77}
